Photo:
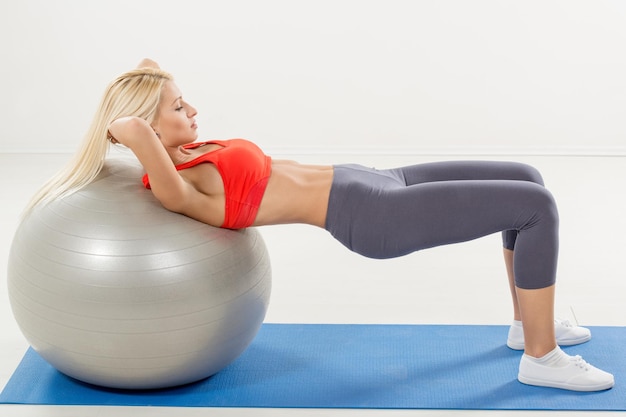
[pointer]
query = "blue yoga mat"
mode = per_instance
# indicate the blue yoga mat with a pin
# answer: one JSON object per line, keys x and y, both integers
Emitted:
{"x": 355, "y": 366}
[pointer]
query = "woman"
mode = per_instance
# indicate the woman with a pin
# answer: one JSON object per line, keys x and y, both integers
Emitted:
{"x": 377, "y": 213}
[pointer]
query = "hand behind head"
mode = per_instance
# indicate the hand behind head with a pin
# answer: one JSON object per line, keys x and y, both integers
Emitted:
{"x": 148, "y": 63}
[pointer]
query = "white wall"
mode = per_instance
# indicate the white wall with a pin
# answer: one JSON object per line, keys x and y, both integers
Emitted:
{"x": 450, "y": 76}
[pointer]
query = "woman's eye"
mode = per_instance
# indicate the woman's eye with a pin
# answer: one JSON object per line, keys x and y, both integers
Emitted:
{"x": 179, "y": 108}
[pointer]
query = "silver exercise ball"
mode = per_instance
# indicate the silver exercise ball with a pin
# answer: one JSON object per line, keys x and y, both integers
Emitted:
{"x": 113, "y": 290}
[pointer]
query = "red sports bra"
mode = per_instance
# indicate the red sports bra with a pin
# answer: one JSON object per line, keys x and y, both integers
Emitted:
{"x": 245, "y": 171}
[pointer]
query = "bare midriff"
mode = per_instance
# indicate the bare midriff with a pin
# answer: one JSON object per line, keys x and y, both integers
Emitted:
{"x": 296, "y": 193}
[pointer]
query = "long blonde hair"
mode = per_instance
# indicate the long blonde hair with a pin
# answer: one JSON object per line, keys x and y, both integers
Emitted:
{"x": 134, "y": 93}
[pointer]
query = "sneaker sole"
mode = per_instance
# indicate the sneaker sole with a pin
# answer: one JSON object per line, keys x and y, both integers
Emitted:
{"x": 515, "y": 346}
{"x": 564, "y": 385}
{"x": 571, "y": 342}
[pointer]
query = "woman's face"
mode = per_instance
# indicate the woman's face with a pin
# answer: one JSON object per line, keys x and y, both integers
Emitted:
{"x": 175, "y": 123}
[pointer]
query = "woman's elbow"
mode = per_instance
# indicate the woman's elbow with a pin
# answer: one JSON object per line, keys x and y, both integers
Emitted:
{"x": 171, "y": 201}
{"x": 175, "y": 205}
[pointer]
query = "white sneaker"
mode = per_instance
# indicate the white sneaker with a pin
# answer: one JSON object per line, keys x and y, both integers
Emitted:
{"x": 566, "y": 333}
{"x": 571, "y": 373}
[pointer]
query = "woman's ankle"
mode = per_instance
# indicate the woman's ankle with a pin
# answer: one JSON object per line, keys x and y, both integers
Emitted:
{"x": 539, "y": 350}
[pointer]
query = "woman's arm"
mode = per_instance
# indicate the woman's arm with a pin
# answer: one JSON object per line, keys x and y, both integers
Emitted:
{"x": 167, "y": 185}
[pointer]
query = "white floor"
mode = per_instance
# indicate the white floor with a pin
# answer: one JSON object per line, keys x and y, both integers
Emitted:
{"x": 317, "y": 280}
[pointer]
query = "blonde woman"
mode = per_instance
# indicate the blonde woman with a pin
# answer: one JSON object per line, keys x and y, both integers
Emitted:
{"x": 377, "y": 213}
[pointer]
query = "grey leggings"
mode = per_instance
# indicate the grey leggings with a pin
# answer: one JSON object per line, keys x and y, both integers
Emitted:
{"x": 390, "y": 213}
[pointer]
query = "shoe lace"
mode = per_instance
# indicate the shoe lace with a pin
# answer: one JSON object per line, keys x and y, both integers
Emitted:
{"x": 564, "y": 323}
{"x": 580, "y": 362}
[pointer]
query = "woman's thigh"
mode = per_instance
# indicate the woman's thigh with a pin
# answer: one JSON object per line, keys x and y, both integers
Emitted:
{"x": 467, "y": 170}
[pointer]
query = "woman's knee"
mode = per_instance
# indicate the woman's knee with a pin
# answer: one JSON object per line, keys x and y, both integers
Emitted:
{"x": 537, "y": 205}
{"x": 529, "y": 173}
{"x": 547, "y": 205}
